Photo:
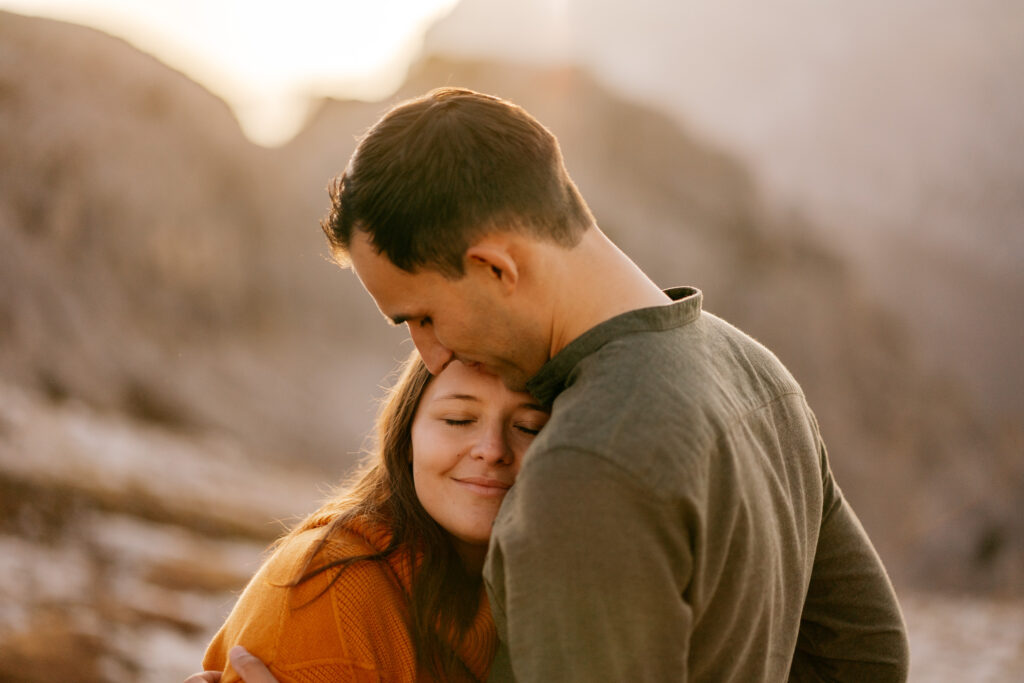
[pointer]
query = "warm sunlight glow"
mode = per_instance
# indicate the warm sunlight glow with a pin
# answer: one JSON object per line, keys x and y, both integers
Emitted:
{"x": 267, "y": 59}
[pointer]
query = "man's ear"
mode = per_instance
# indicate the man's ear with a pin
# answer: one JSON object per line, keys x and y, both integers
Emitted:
{"x": 495, "y": 261}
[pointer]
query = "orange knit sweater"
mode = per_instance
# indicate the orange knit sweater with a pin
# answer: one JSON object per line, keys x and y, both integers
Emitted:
{"x": 355, "y": 632}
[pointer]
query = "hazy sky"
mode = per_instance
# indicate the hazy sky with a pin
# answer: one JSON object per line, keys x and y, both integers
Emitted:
{"x": 266, "y": 58}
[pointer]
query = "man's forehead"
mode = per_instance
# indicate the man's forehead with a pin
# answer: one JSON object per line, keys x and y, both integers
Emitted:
{"x": 362, "y": 252}
{"x": 373, "y": 269}
{"x": 400, "y": 295}
{"x": 391, "y": 288}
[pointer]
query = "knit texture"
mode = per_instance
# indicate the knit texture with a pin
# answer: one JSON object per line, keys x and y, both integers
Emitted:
{"x": 354, "y": 629}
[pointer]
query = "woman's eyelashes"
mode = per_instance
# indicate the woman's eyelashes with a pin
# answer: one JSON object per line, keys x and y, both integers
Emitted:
{"x": 531, "y": 422}
{"x": 528, "y": 428}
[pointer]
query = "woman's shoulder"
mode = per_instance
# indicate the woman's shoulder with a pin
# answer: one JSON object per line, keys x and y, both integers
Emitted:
{"x": 309, "y": 548}
{"x": 347, "y": 614}
{"x": 339, "y": 559}
{"x": 298, "y": 552}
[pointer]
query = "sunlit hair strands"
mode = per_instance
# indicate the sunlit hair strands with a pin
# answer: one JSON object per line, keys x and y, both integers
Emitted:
{"x": 444, "y": 595}
{"x": 439, "y": 171}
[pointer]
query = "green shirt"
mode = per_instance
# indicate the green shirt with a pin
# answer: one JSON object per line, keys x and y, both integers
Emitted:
{"x": 677, "y": 520}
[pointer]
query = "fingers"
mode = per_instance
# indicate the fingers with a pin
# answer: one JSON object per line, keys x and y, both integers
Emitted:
{"x": 249, "y": 667}
{"x": 204, "y": 677}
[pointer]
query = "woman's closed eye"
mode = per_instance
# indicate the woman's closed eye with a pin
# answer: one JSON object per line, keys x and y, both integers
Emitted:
{"x": 530, "y": 422}
{"x": 458, "y": 421}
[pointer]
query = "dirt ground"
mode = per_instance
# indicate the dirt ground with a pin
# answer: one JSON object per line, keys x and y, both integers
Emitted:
{"x": 964, "y": 639}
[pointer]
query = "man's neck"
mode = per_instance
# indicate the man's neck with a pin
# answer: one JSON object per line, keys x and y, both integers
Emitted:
{"x": 597, "y": 283}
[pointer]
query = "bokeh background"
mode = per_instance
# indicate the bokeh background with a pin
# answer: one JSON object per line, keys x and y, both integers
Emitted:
{"x": 183, "y": 372}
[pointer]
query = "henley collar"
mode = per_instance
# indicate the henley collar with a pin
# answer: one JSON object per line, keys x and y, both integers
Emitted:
{"x": 553, "y": 376}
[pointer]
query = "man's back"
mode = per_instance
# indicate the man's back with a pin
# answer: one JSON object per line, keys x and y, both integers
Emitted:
{"x": 677, "y": 520}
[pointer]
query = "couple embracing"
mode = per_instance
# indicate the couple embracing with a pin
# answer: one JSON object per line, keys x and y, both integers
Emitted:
{"x": 578, "y": 476}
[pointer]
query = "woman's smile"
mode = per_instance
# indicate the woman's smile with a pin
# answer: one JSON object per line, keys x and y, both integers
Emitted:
{"x": 468, "y": 439}
{"x": 484, "y": 486}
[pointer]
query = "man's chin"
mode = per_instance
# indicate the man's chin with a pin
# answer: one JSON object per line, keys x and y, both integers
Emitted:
{"x": 477, "y": 366}
{"x": 511, "y": 377}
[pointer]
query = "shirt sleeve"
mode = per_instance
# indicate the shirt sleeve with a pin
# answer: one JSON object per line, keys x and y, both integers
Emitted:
{"x": 851, "y": 628}
{"x": 575, "y": 539}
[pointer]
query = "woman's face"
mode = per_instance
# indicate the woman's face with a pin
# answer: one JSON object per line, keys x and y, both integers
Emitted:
{"x": 468, "y": 439}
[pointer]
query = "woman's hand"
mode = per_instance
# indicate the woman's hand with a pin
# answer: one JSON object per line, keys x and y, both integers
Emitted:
{"x": 251, "y": 669}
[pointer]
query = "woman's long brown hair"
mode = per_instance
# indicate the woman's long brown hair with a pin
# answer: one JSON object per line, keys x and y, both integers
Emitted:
{"x": 444, "y": 597}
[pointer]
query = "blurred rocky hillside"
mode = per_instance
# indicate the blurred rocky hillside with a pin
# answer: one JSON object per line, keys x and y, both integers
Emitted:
{"x": 180, "y": 365}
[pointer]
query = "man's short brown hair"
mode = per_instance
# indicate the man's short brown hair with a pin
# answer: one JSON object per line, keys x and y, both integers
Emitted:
{"x": 437, "y": 172}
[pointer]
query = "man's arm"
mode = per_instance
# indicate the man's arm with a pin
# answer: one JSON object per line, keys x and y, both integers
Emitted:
{"x": 588, "y": 568}
{"x": 851, "y": 628}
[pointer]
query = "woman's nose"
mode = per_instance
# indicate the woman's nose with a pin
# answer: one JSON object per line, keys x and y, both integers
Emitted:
{"x": 492, "y": 446}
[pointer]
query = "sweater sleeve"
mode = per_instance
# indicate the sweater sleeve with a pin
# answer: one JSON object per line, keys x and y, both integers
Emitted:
{"x": 851, "y": 628}
{"x": 351, "y": 629}
{"x": 568, "y": 545}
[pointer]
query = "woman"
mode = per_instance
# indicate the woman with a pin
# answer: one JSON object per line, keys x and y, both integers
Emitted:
{"x": 383, "y": 583}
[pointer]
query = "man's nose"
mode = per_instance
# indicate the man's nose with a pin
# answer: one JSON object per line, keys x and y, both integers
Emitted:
{"x": 435, "y": 355}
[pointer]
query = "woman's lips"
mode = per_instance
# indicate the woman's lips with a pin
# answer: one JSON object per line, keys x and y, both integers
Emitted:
{"x": 484, "y": 486}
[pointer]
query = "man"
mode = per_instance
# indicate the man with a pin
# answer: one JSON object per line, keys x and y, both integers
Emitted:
{"x": 677, "y": 518}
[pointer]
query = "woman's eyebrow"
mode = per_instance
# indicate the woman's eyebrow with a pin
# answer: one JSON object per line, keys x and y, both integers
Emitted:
{"x": 460, "y": 397}
{"x": 535, "y": 406}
